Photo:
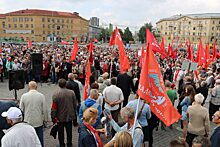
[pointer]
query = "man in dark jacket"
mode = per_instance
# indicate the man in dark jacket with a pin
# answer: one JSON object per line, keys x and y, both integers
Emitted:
{"x": 124, "y": 81}
{"x": 65, "y": 100}
{"x": 215, "y": 138}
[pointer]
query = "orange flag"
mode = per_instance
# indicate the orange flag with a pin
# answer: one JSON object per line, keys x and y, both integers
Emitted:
{"x": 0, "y": 50}
{"x": 190, "y": 53}
{"x": 142, "y": 56}
{"x": 153, "y": 42}
{"x": 214, "y": 51}
{"x": 29, "y": 43}
{"x": 207, "y": 57}
{"x": 151, "y": 88}
{"x": 124, "y": 62}
{"x": 163, "y": 49}
{"x": 74, "y": 50}
{"x": 90, "y": 47}
{"x": 87, "y": 80}
{"x": 112, "y": 39}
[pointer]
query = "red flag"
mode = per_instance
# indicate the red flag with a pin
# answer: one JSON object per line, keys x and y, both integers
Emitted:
{"x": 200, "y": 54}
{"x": 74, "y": 50}
{"x": 0, "y": 50}
{"x": 95, "y": 40}
{"x": 137, "y": 53}
{"x": 87, "y": 80}
{"x": 29, "y": 43}
{"x": 170, "y": 49}
{"x": 124, "y": 62}
{"x": 190, "y": 53}
{"x": 163, "y": 49}
{"x": 151, "y": 88}
{"x": 64, "y": 42}
{"x": 153, "y": 42}
{"x": 90, "y": 47}
{"x": 112, "y": 39}
{"x": 142, "y": 56}
{"x": 214, "y": 51}
{"x": 174, "y": 53}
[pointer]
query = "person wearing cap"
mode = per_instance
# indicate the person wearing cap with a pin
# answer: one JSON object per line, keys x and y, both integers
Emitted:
{"x": 13, "y": 137}
{"x": 214, "y": 104}
{"x": 33, "y": 104}
{"x": 198, "y": 124}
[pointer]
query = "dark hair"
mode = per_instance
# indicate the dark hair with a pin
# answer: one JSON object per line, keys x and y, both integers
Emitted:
{"x": 190, "y": 92}
{"x": 113, "y": 81}
{"x": 62, "y": 83}
{"x": 205, "y": 142}
{"x": 94, "y": 86}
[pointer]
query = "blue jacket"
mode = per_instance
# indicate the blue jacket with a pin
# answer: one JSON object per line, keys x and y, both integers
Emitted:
{"x": 215, "y": 138}
{"x": 86, "y": 139}
{"x": 90, "y": 103}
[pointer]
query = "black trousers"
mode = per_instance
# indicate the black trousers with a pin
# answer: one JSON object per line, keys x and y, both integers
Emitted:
{"x": 189, "y": 138}
{"x": 68, "y": 127}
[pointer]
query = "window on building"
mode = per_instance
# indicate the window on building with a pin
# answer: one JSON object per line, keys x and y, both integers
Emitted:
{"x": 3, "y": 24}
{"x": 219, "y": 22}
{"x": 213, "y": 22}
{"x": 26, "y": 19}
{"x": 174, "y": 28}
{"x": 43, "y": 32}
{"x": 71, "y": 21}
{"x": 43, "y": 25}
{"x": 32, "y": 31}
{"x": 48, "y": 26}
{"x": 9, "y": 25}
{"x": 165, "y": 33}
{"x": 15, "y": 25}
{"x": 189, "y": 22}
{"x": 58, "y": 33}
{"x": 32, "y": 26}
{"x": 216, "y": 34}
{"x": 21, "y": 25}
{"x": 194, "y": 28}
{"x": 189, "y": 33}
{"x": 58, "y": 20}
{"x": 62, "y": 20}
{"x": 212, "y": 34}
{"x": 169, "y": 38}
{"x": 53, "y": 26}
{"x": 20, "y": 19}
{"x": 67, "y": 21}
{"x": 9, "y": 19}
{"x": 14, "y": 19}
{"x": 53, "y": 20}
{"x": 43, "y": 19}
{"x": 62, "y": 26}
{"x": 213, "y": 28}
{"x": 48, "y": 32}
{"x": 205, "y": 34}
{"x": 44, "y": 38}
{"x": 48, "y": 19}
{"x": 26, "y": 25}
{"x": 193, "y": 39}
{"x": 194, "y": 33}
{"x": 4, "y": 31}
{"x": 31, "y": 19}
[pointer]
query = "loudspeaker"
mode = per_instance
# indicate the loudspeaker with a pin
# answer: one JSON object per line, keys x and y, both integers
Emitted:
{"x": 16, "y": 79}
{"x": 37, "y": 63}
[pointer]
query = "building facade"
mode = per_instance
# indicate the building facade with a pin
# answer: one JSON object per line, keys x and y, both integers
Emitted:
{"x": 191, "y": 26}
{"x": 42, "y": 25}
{"x": 94, "y": 28}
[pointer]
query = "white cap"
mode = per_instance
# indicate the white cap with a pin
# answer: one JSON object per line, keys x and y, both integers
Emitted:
{"x": 12, "y": 113}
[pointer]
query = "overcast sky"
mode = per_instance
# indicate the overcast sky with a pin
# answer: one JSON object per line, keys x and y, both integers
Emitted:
{"x": 133, "y": 13}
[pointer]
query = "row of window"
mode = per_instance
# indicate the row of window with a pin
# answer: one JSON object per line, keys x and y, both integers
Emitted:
{"x": 193, "y": 28}
{"x": 21, "y": 26}
{"x": 194, "y": 34}
{"x": 194, "y": 22}
{"x": 20, "y": 19}
{"x": 56, "y": 20}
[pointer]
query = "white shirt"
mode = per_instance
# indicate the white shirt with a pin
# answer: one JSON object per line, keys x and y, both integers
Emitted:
{"x": 20, "y": 135}
{"x": 34, "y": 107}
{"x": 112, "y": 93}
{"x": 16, "y": 66}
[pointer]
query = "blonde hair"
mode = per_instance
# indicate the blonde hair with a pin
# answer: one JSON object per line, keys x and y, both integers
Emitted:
{"x": 123, "y": 139}
{"x": 90, "y": 113}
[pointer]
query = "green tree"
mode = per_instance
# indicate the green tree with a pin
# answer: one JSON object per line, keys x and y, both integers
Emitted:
{"x": 127, "y": 36}
{"x": 142, "y": 32}
{"x": 104, "y": 34}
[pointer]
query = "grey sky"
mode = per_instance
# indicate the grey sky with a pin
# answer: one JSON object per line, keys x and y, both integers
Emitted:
{"x": 133, "y": 13}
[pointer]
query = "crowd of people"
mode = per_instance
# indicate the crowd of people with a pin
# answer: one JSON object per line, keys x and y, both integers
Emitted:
{"x": 97, "y": 116}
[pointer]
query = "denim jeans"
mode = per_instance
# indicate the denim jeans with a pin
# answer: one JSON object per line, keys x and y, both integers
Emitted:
{"x": 39, "y": 131}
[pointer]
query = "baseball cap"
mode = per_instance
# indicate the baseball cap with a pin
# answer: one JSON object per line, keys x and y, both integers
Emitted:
{"x": 12, "y": 113}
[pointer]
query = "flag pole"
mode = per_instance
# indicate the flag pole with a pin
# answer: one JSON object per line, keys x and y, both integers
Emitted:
{"x": 136, "y": 114}
{"x": 111, "y": 63}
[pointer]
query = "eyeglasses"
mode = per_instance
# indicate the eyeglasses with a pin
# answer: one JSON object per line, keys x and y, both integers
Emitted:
{"x": 215, "y": 116}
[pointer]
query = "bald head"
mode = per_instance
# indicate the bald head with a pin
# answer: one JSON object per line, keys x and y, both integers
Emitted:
{"x": 71, "y": 76}
{"x": 32, "y": 85}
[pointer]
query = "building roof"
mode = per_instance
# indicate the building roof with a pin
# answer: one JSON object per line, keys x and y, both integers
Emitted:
{"x": 45, "y": 12}
{"x": 2, "y": 15}
{"x": 193, "y": 16}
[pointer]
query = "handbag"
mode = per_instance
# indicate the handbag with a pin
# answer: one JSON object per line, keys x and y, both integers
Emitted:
{"x": 54, "y": 131}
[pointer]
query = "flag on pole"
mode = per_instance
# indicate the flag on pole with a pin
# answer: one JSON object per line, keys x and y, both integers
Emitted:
{"x": 200, "y": 54}
{"x": 153, "y": 42}
{"x": 190, "y": 53}
{"x": 0, "y": 50}
{"x": 151, "y": 88}
{"x": 170, "y": 50}
{"x": 112, "y": 39}
{"x": 214, "y": 51}
{"x": 74, "y": 50}
{"x": 64, "y": 42}
{"x": 95, "y": 40}
{"x": 163, "y": 49}
{"x": 90, "y": 47}
{"x": 29, "y": 43}
{"x": 124, "y": 62}
{"x": 87, "y": 80}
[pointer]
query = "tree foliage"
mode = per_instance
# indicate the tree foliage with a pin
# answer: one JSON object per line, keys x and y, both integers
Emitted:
{"x": 127, "y": 36}
{"x": 142, "y": 32}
